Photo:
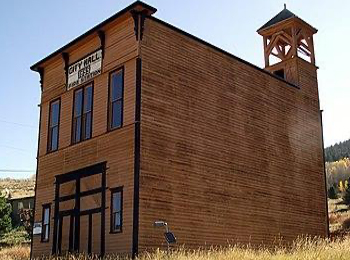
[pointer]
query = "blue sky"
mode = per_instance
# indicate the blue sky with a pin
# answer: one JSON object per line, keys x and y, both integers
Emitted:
{"x": 30, "y": 30}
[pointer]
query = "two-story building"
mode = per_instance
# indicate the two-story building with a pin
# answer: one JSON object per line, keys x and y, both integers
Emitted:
{"x": 141, "y": 121}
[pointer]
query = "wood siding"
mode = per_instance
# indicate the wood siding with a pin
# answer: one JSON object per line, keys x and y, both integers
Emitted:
{"x": 115, "y": 147}
{"x": 228, "y": 153}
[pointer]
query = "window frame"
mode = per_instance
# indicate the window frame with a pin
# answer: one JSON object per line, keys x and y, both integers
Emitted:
{"x": 82, "y": 88}
{"x": 113, "y": 191}
{"x": 44, "y": 207}
{"x": 49, "y": 133}
{"x": 110, "y": 102}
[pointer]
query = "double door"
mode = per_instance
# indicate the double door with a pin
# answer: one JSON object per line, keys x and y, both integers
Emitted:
{"x": 80, "y": 211}
{"x": 86, "y": 238}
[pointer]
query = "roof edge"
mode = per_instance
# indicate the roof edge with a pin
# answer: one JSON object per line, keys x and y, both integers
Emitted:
{"x": 151, "y": 9}
{"x": 220, "y": 50}
{"x": 313, "y": 29}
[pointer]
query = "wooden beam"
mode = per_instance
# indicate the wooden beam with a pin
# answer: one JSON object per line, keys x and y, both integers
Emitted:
{"x": 266, "y": 56}
{"x": 294, "y": 43}
{"x": 312, "y": 50}
{"x": 279, "y": 51}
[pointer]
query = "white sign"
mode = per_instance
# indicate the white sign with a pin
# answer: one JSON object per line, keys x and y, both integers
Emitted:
{"x": 37, "y": 228}
{"x": 85, "y": 69}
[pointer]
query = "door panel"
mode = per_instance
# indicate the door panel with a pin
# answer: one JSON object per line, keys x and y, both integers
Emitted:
{"x": 96, "y": 233}
{"x": 67, "y": 205}
{"x": 90, "y": 182}
{"x": 90, "y": 202}
{"x": 65, "y": 222}
{"x": 67, "y": 188}
{"x": 84, "y": 234}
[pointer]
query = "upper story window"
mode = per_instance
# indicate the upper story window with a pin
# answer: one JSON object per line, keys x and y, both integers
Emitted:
{"x": 116, "y": 209}
{"x": 115, "y": 104}
{"x": 82, "y": 115}
{"x": 45, "y": 232}
{"x": 54, "y": 121}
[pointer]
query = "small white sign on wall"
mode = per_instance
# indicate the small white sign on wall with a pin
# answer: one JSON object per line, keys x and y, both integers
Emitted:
{"x": 37, "y": 228}
{"x": 84, "y": 69}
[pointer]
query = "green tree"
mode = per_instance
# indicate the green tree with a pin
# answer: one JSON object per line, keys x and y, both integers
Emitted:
{"x": 331, "y": 193}
{"x": 5, "y": 216}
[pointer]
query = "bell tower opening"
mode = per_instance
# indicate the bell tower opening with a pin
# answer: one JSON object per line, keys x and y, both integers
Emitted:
{"x": 285, "y": 38}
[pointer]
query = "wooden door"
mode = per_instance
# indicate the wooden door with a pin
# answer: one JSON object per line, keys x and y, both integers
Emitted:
{"x": 66, "y": 234}
{"x": 80, "y": 211}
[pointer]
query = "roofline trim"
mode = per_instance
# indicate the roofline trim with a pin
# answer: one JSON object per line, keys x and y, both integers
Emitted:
{"x": 19, "y": 198}
{"x": 261, "y": 29}
{"x": 219, "y": 50}
{"x": 152, "y": 10}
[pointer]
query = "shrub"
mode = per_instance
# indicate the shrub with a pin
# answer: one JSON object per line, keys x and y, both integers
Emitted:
{"x": 346, "y": 196}
{"x": 16, "y": 236}
{"x": 346, "y": 223}
{"x": 5, "y": 216}
{"x": 27, "y": 219}
{"x": 332, "y": 194}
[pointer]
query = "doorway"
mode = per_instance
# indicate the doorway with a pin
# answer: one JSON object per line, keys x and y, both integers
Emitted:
{"x": 79, "y": 219}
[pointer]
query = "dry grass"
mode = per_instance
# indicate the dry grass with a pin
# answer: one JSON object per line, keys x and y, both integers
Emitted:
{"x": 339, "y": 217}
{"x": 15, "y": 253}
{"x": 302, "y": 249}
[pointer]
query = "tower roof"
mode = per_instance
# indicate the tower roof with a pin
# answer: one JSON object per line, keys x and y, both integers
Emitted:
{"x": 281, "y": 16}
{"x": 285, "y": 14}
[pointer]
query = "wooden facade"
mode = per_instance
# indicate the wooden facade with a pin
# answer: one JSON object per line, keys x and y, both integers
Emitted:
{"x": 220, "y": 149}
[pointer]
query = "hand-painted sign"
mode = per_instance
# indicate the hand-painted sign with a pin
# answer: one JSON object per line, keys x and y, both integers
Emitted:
{"x": 37, "y": 228}
{"x": 84, "y": 69}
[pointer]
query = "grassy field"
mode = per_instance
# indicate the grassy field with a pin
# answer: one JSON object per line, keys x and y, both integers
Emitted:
{"x": 303, "y": 249}
{"x": 338, "y": 248}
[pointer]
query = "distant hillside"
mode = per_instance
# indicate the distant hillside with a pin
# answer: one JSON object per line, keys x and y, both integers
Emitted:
{"x": 17, "y": 188}
{"x": 338, "y": 151}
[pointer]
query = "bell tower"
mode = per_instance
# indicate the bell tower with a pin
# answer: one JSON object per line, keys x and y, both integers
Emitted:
{"x": 286, "y": 38}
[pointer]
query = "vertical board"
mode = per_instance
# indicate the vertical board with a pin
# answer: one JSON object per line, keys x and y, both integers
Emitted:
{"x": 96, "y": 234}
{"x": 84, "y": 234}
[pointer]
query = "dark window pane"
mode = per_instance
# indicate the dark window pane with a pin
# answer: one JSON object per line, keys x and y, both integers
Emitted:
{"x": 88, "y": 99}
{"x": 54, "y": 138}
{"x": 78, "y": 102}
{"x": 55, "y": 107}
{"x": 116, "y": 114}
{"x": 117, "y": 85}
{"x": 87, "y": 126}
{"x": 116, "y": 202}
{"x": 77, "y": 133}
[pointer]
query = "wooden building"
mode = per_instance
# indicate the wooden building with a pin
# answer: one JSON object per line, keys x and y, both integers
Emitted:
{"x": 141, "y": 121}
{"x": 19, "y": 204}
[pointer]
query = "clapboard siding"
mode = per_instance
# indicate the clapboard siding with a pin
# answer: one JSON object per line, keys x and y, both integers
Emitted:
{"x": 115, "y": 147}
{"x": 120, "y": 50}
{"x": 228, "y": 153}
